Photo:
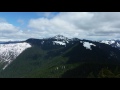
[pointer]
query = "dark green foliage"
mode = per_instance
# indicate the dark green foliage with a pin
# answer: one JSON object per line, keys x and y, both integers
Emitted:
{"x": 92, "y": 70}
{"x": 107, "y": 73}
{"x": 100, "y": 53}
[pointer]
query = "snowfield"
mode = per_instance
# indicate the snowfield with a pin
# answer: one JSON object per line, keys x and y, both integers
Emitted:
{"x": 88, "y": 45}
{"x": 108, "y": 42}
{"x": 58, "y": 43}
{"x": 9, "y": 52}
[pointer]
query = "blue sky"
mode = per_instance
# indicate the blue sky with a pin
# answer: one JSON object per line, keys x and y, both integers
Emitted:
{"x": 13, "y": 17}
{"x": 83, "y": 25}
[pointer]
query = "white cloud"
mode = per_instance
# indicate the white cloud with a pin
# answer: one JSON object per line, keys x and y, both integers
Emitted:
{"x": 6, "y": 27}
{"x": 84, "y": 25}
{"x": 9, "y": 32}
{"x": 88, "y": 25}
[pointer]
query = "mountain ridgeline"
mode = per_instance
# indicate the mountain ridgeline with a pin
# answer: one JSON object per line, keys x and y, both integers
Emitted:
{"x": 60, "y": 57}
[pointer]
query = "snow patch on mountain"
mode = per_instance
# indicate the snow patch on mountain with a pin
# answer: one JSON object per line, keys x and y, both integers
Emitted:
{"x": 67, "y": 41}
{"x": 58, "y": 43}
{"x": 42, "y": 42}
{"x": 9, "y": 52}
{"x": 81, "y": 41}
{"x": 88, "y": 45}
{"x": 109, "y": 42}
{"x": 112, "y": 42}
{"x": 106, "y": 42}
{"x": 118, "y": 44}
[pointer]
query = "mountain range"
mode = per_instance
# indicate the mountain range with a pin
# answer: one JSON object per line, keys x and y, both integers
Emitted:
{"x": 59, "y": 57}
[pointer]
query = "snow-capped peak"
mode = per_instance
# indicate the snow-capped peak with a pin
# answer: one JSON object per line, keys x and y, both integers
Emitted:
{"x": 60, "y": 37}
{"x": 112, "y": 42}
